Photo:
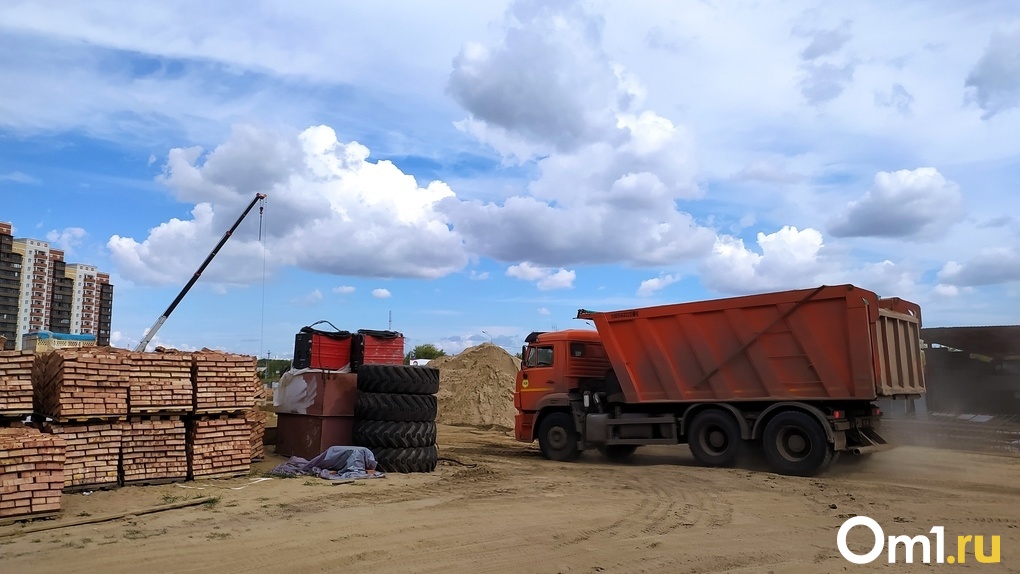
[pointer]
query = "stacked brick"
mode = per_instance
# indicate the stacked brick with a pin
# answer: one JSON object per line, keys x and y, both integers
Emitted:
{"x": 154, "y": 450}
{"x": 31, "y": 472}
{"x": 160, "y": 383}
{"x": 219, "y": 446}
{"x": 224, "y": 383}
{"x": 92, "y": 459}
{"x": 81, "y": 384}
{"x": 15, "y": 384}
{"x": 257, "y": 419}
{"x": 220, "y": 433}
{"x": 160, "y": 393}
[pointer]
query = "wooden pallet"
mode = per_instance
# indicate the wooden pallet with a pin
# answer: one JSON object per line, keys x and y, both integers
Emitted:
{"x": 223, "y": 475}
{"x": 157, "y": 411}
{"x": 155, "y": 481}
{"x": 8, "y": 520}
{"x": 87, "y": 420}
{"x": 90, "y": 487}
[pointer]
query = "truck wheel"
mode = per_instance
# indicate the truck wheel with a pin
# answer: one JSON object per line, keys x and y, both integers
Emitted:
{"x": 557, "y": 437}
{"x": 715, "y": 439}
{"x": 617, "y": 452}
{"x": 795, "y": 444}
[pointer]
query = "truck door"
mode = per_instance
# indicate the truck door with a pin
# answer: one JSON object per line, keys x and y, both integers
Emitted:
{"x": 537, "y": 377}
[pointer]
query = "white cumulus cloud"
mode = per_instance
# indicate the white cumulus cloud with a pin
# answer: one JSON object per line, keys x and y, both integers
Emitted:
{"x": 344, "y": 289}
{"x": 910, "y": 204}
{"x": 610, "y": 171}
{"x": 788, "y": 259}
{"x": 545, "y": 278}
{"x": 333, "y": 211}
{"x": 989, "y": 266}
{"x": 381, "y": 293}
{"x": 67, "y": 239}
{"x": 651, "y": 286}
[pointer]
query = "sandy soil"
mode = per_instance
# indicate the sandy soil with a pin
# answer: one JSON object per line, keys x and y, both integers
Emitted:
{"x": 502, "y": 508}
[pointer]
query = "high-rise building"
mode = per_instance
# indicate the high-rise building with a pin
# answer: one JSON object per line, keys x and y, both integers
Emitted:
{"x": 39, "y": 291}
{"x": 10, "y": 287}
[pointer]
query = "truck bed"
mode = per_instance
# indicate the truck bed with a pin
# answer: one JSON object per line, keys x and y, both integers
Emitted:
{"x": 828, "y": 343}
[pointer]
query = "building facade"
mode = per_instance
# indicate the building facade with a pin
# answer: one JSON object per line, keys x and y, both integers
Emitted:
{"x": 39, "y": 291}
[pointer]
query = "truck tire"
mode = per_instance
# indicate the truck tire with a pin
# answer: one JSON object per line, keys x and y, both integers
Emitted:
{"x": 391, "y": 434}
{"x": 795, "y": 444}
{"x": 395, "y": 407}
{"x": 617, "y": 452}
{"x": 557, "y": 437}
{"x": 407, "y": 460}
{"x": 714, "y": 438}
{"x": 403, "y": 379}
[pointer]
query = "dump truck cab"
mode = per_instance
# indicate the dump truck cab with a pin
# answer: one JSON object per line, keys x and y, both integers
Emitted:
{"x": 554, "y": 365}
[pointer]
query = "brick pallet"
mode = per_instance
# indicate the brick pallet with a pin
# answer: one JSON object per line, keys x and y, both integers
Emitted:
{"x": 31, "y": 473}
{"x": 160, "y": 383}
{"x": 224, "y": 383}
{"x": 92, "y": 453}
{"x": 79, "y": 384}
{"x": 218, "y": 446}
{"x": 16, "y": 383}
{"x": 154, "y": 450}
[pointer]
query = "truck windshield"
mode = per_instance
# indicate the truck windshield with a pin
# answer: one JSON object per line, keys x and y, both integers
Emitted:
{"x": 540, "y": 357}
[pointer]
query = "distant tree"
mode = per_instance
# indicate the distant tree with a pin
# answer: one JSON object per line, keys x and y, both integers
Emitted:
{"x": 272, "y": 369}
{"x": 426, "y": 351}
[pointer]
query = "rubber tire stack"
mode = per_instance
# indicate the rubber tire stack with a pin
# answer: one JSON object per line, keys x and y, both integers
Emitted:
{"x": 395, "y": 416}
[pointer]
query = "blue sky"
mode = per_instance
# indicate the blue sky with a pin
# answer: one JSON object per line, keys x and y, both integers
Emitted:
{"x": 479, "y": 170}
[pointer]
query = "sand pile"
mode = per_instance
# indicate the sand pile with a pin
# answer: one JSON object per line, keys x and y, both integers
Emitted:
{"x": 476, "y": 387}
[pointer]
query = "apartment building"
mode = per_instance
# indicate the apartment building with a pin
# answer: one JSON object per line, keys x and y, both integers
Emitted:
{"x": 39, "y": 291}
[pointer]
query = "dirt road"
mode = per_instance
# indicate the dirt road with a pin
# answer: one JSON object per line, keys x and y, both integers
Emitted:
{"x": 503, "y": 508}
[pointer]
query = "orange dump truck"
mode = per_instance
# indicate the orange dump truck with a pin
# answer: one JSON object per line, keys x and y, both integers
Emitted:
{"x": 792, "y": 373}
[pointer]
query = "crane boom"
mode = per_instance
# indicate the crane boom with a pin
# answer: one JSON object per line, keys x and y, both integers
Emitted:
{"x": 162, "y": 318}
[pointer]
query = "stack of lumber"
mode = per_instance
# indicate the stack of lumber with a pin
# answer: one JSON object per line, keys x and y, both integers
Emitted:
{"x": 80, "y": 383}
{"x": 256, "y": 419}
{"x": 92, "y": 453}
{"x": 218, "y": 446}
{"x": 31, "y": 472}
{"x": 16, "y": 383}
{"x": 159, "y": 383}
{"x": 154, "y": 450}
{"x": 224, "y": 383}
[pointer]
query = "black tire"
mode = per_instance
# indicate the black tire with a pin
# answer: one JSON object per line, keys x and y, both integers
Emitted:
{"x": 557, "y": 437}
{"x": 617, "y": 452}
{"x": 714, "y": 438}
{"x": 403, "y": 379}
{"x": 795, "y": 444}
{"x": 407, "y": 460}
{"x": 395, "y": 407}
{"x": 390, "y": 434}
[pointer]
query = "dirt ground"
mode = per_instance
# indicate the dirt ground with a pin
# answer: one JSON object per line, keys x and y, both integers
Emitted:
{"x": 495, "y": 505}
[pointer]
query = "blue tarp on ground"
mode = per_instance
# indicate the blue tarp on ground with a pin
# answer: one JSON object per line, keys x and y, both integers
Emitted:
{"x": 336, "y": 463}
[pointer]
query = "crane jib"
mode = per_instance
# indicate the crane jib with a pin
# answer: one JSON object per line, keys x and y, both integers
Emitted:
{"x": 194, "y": 278}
